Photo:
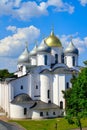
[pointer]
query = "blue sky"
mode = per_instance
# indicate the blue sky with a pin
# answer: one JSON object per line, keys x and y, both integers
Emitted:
{"x": 32, "y": 20}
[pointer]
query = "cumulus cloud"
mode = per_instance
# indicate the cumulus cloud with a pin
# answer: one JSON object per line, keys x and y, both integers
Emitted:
{"x": 61, "y": 6}
{"x": 12, "y": 28}
{"x": 11, "y": 46}
{"x": 81, "y": 44}
{"x": 83, "y": 2}
{"x": 29, "y": 9}
{"x": 22, "y": 10}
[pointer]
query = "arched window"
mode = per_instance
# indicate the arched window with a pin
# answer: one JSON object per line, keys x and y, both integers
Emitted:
{"x": 47, "y": 113}
{"x": 48, "y": 93}
{"x": 45, "y": 59}
{"x": 61, "y": 105}
{"x": 54, "y": 113}
{"x": 67, "y": 85}
{"x": 62, "y": 58}
{"x": 49, "y": 101}
{"x": 41, "y": 113}
{"x": 73, "y": 60}
{"x": 25, "y": 111}
{"x": 56, "y": 58}
{"x": 36, "y": 86}
{"x": 21, "y": 87}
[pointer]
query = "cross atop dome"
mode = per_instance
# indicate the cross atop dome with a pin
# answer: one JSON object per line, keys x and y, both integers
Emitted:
{"x": 26, "y": 44}
{"x": 52, "y": 30}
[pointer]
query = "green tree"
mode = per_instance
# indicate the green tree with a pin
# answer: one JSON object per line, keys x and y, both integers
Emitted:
{"x": 76, "y": 99}
{"x": 85, "y": 62}
{"x": 5, "y": 74}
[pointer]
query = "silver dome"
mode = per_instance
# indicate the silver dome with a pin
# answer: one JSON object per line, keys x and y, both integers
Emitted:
{"x": 44, "y": 48}
{"x": 33, "y": 52}
{"x": 71, "y": 49}
{"x": 24, "y": 57}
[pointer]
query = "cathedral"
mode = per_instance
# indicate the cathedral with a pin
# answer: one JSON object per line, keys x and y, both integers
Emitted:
{"x": 42, "y": 74}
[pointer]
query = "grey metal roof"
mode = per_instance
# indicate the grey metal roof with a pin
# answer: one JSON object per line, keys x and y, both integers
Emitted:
{"x": 61, "y": 70}
{"x": 33, "y": 104}
{"x": 21, "y": 98}
{"x": 71, "y": 49}
{"x": 40, "y": 105}
{"x": 45, "y": 71}
{"x": 44, "y": 47}
{"x": 24, "y": 57}
{"x": 33, "y": 52}
{"x": 57, "y": 70}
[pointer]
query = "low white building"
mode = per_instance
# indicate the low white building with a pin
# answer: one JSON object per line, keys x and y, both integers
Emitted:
{"x": 42, "y": 74}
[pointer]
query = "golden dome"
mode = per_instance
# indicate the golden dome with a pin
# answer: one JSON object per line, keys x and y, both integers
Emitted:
{"x": 53, "y": 41}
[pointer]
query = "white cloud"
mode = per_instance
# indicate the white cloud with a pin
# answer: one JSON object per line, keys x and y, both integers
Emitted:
{"x": 27, "y": 10}
{"x": 81, "y": 44}
{"x": 22, "y": 10}
{"x": 30, "y": 9}
{"x": 83, "y": 2}
{"x": 12, "y": 28}
{"x": 61, "y": 6}
{"x": 11, "y": 46}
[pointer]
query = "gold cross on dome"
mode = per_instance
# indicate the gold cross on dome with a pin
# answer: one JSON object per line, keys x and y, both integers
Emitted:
{"x": 36, "y": 43}
{"x": 71, "y": 37}
{"x": 52, "y": 27}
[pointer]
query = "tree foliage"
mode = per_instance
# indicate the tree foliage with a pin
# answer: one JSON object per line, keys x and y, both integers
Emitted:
{"x": 5, "y": 74}
{"x": 76, "y": 99}
{"x": 85, "y": 62}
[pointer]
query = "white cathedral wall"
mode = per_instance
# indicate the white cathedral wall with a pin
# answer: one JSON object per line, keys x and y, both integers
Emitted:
{"x": 34, "y": 87}
{"x": 11, "y": 92}
{"x": 36, "y": 113}
{"x": 33, "y": 60}
{"x": 55, "y": 89}
{"x": 22, "y": 81}
{"x": 6, "y": 108}
{"x": 61, "y": 87}
{"x": 24, "y": 70}
{"x": 40, "y": 59}
{"x": 0, "y": 93}
{"x": 58, "y": 86}
{"x": 56, "y": 50}
{"x": 4, "y": 90}
{"x": 17, "y": 111}
{"x": 45, "y": 83}
{"x": 69, "y": 60}
{"x": 4, "y": 96}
